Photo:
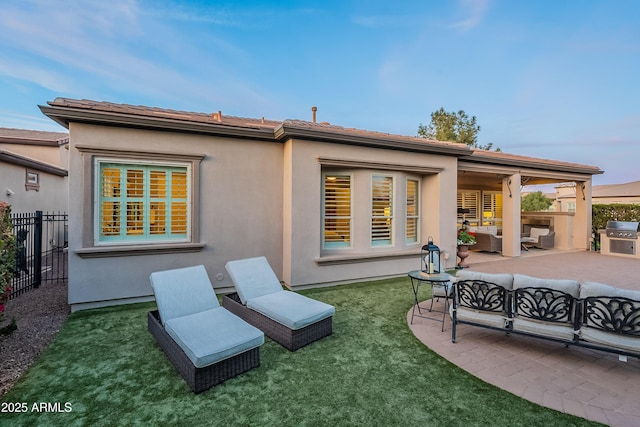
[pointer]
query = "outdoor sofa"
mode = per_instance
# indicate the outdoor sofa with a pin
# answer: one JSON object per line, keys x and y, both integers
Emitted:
{"x": 206, "y": 343}
{"x": 588, "y": 314}
{"x": 290, "y": 319}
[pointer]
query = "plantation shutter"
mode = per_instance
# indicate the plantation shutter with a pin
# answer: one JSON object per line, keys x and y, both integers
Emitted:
{"x": 381, "y": 210}
{"x": 337, "y": 211}
{"x": 413, "y": 206}
{"x": 141, "y": 202}
{"x": 469, "y": 200}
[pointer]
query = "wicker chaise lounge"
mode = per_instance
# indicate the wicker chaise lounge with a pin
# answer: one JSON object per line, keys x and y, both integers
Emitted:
{"x": 205, "y": 342}
{"x": 286, "y": 317}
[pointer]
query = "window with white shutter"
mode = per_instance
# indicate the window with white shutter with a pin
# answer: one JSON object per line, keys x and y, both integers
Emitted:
{"x": 381, "y": 210}
{"x": 337, "y": 210}
{"x": 412, "y": 211}
{"x": 141, "y": 202}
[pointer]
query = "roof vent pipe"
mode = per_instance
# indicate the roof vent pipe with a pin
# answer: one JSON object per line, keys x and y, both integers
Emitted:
{"x": 314, "y": 109}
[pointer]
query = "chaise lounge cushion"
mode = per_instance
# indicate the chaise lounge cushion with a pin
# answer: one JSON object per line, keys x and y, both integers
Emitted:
{"x": 182, "y": 292}
{"x": 213, "y": 335}
{"x": 293, "y": 310}
{"x": 255, "y": 276}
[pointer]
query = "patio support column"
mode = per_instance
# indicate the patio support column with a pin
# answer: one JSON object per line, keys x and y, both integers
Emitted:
{"x": 511, "y": 215}
{"x": 582, "y": 220}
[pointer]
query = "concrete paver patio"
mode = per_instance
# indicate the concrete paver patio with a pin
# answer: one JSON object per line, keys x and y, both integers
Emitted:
{"x": 590, "y": 384}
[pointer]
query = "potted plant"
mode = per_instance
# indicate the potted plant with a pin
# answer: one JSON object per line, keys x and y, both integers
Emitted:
{"x": 465, "y": 239}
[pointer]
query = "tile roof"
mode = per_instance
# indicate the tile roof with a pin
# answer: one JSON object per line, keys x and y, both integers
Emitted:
{"x": 216, "y": 118}
{"x": 64, "y": 110}
{"x": 502, "y": 157}
{"x": 31, "y": 136}
{"x": 629, "y": 189}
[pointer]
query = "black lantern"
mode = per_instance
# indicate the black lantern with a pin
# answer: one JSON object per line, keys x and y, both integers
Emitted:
{"x": 430, "y": 256}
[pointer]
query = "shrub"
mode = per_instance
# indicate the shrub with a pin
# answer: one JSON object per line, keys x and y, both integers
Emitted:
{"x": 7, "y": 255}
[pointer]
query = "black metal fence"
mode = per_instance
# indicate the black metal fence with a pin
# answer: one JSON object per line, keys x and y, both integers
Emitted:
{"x": 41, "y": 255}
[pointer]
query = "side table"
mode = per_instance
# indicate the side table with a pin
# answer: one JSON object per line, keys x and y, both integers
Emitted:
{"x": 436, "y": 280}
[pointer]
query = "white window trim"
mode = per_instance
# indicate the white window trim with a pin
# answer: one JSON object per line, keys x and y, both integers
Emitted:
{"x": 96, "y": 200}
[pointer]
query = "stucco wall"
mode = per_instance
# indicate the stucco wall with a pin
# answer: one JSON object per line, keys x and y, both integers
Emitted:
{"x": 310, "y": 264}
{"x": 240, "y": 212}
{"x": 52, "y": 195}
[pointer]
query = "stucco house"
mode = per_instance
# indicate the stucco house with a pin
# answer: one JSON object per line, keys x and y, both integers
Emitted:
{"x": 626, "y": 193}
{"x": 33, "y": 170}
{"x": 154, "y": 189}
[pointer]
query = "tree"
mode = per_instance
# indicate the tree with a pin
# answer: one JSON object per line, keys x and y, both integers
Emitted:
{"x": 535, "y": 202}
{"x": 455, "y": 127}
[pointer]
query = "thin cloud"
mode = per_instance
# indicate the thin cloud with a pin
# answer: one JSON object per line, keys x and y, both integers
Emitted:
{"x": 475, "y": 11}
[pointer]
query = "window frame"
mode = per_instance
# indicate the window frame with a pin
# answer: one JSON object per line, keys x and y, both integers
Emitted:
{"x": 392, "y": 194}
{"x": 31, "y": 180}
{"x": 416, "y": 217}
{"x": 349, "y": 245}
{"x": 125, "y": 164}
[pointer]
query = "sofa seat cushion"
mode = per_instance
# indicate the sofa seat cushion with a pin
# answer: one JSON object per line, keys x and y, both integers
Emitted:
{"x": 494, "y": 320}
{"x": 213, "y": 335}
{"x": 293, "y": 310}
{"x": 504, "y": 280}
{"x": 571, "y": 287}
{"x": 545, "y": 329}
{"x": 608, "y": 339}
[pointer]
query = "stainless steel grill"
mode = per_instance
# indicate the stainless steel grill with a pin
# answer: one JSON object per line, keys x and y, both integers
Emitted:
{"x": 622, "y": 229}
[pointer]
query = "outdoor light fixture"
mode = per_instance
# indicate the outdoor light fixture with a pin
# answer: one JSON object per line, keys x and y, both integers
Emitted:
{"x": 430, "y": 256}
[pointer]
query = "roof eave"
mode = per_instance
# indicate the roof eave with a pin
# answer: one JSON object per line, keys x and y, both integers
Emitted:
{"x": 30, "y": 163}
{"x": 531, "y": 163}
{"x": 286, "y": 131}
{"x": 66, "y": 115}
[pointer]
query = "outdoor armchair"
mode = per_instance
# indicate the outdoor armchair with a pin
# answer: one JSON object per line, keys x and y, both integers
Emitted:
{"x": 488, "y": 242}
{"x": 542, "y": 238}
{"x": 286, "y": 317}
{"x": 205, "y": 342}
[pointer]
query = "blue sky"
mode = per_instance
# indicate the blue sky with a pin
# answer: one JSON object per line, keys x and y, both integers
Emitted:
{"x": 551, "y": 79}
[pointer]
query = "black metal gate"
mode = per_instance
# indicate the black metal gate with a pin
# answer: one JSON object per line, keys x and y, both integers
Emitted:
{"x": 41, "y": 256}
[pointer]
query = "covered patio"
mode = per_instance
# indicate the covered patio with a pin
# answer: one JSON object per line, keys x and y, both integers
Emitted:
{"x": 489, "y": 187}
{"x": 587, "y": 383}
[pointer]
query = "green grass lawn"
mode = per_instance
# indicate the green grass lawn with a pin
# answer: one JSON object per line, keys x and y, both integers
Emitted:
{"x": 372, "y": 371}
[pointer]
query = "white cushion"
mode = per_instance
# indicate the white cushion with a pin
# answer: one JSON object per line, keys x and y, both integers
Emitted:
{"x": 496, "y": 320}
{"x": 213, "y": 335}
{"x": 545, "y": 329}
{"x": 503, "y": 279}
{"x": 537, "y": 232}
{"x": 253, "y": 277}
{"x": 571, "y": 287}
{"x": 596, "y": 336}
{"x": 293, "y": 310}
{"x": 183, "y": 291}
{"x": 595, "y": 289}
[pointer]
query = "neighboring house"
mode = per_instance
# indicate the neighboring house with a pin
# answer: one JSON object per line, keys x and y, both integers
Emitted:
{"x": 155, "y": 189}
{"x": 628, "y": 193}
{"x": 33, "y": 170}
